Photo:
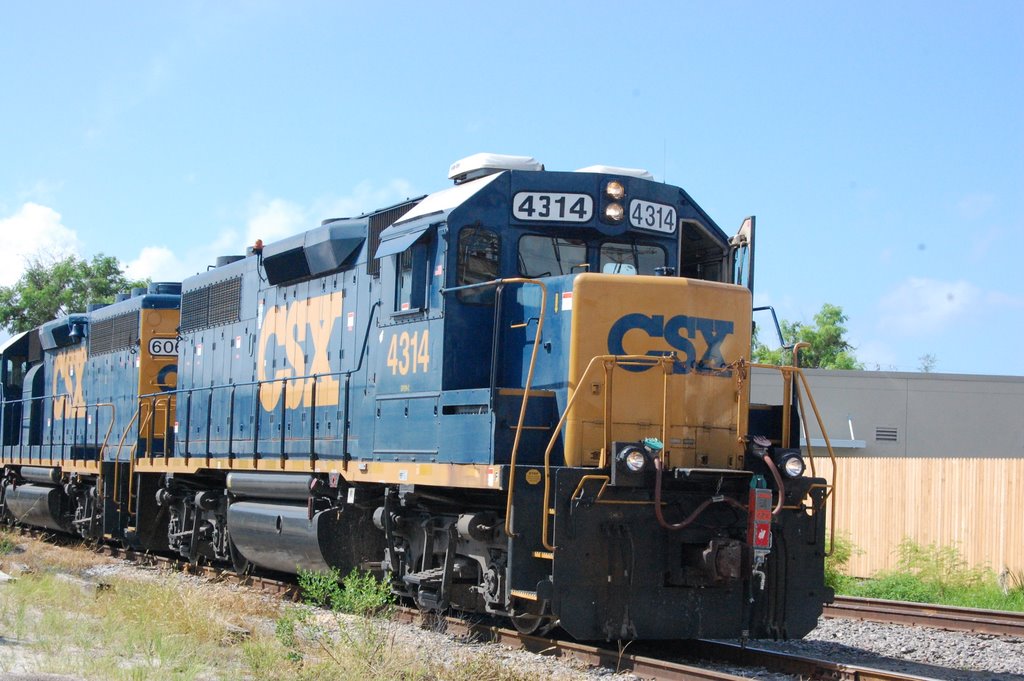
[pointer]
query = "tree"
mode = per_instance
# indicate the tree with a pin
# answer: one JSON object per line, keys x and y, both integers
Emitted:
{"x": 927, "y": 362}
{"x": 53, "y": 287}
{"x": 828, "y": 349}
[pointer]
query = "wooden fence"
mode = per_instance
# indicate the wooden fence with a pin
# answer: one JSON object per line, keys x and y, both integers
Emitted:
{"x": 974, "y": 504}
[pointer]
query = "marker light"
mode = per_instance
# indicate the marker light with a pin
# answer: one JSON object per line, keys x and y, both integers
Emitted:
{"x": 615, "y": 190}
{"x": 635, "y": 460}
{"x": 614, "y": 212}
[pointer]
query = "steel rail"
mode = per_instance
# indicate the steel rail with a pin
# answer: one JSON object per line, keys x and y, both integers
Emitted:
{"x": 804, "y": 667}
{"x": 948, "y": 617}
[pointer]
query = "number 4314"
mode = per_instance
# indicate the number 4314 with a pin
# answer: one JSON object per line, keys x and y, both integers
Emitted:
{"x": 409, "y": 352}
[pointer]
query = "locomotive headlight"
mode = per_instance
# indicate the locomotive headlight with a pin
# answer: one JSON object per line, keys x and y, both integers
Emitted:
{"x": 614, "y": 190}
{"x": 635, "y": 460}
{"x": 792, "y": 464}
{"x": 614, "y": 212}
{"x": 632, "y": 465}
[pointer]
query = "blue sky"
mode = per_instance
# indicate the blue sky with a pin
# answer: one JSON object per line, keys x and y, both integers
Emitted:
{"x": 881, "y": 145}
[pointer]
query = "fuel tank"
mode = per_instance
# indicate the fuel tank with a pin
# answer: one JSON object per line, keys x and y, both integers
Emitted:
{"x": 37, "y": 505}
{"x": 45, "y": 476}
{"x": 282, "y": 486}
{"x": 282, "y": 537}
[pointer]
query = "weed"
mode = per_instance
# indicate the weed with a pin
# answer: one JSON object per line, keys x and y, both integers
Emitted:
{"x": 484, "y": 669}
{"x": 7, "y": 545}
{"x": 286, "y": 634}
{"x": 843, "y": 549}
{"x": 319, "y": 588}
{"x": 359, "y": 593}
{"x": 937, "y": 574}
{"x": 363, "y": 594}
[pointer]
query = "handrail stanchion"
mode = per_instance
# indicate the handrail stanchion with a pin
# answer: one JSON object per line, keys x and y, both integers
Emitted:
{"x": 209, "y": 423}
{"x": 257, "y": 412}
{"x": 188, "y": 425}
{"x": 168, "y": 433}
{"x": 312, "y": 423}
{"x": 231, "y": 427}
{"x": 284, "y": 399}
{"x": 53, "y": 423}
{"x": 63, "y": 430}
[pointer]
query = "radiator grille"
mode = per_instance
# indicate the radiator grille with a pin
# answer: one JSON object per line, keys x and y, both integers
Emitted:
{"x": 213, "y": 305}
{"x": 378, "y": 223}
{"x": 115, "y": 333}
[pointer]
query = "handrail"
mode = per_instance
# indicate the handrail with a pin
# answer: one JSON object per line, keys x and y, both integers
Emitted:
{"x": 614, "y": 360}
{"x": 64, "y": 417}
{"x": 500, "y": 283}
{"x": 117, "y": 457}
{"x": 258, "y": 387}
{"x": 788, "y": 374}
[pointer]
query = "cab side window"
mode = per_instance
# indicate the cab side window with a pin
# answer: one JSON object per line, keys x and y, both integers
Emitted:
{"x": 478, "y": 261}
{"x": 411, "y": 278}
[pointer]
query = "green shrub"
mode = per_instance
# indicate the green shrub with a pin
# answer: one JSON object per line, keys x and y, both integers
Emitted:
{"x": 319, "y": 588}
{"x": 363, "y": 594}
{"x": 7, "y": 545}
{"x": 359, "y": 593}
{"x": 933, "y": 574}
{"x": 843, "y": 549}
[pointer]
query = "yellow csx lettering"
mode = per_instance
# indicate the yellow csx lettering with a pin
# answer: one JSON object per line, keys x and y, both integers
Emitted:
{"x": 286, "y": 328}
{"x": 68, "y": 369}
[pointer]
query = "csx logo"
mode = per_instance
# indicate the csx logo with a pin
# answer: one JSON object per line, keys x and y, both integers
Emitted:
{"x": 283, "y": 336}
{"x": 679, "y": 332}
{"x": 67, "y": 384}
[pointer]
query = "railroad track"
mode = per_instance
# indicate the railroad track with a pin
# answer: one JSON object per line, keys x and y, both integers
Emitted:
{"x": 657, "y": 665}
{"x": 928, "y": 615}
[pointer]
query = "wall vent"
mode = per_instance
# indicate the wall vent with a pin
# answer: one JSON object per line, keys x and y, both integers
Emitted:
{"x": 886, "y": 434}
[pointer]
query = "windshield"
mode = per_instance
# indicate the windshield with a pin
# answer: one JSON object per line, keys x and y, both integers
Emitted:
{"x": 544, "y": 256}
{"x": 618, "y": 257}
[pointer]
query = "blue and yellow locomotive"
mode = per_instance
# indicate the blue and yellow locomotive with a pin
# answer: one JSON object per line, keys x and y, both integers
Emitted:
{"x": 525, "y": 395}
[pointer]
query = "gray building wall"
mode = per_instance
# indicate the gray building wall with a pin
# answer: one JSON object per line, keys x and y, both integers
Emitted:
{"x": 895, "y": 414}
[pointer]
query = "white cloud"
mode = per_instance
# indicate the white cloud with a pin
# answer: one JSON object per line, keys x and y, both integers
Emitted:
{"x": 157, "y": 263}
{"x": 269, "y": 219}
{"x": 876, "y": 355}
{"x": 273, "y": 219}
{"x": 919, "y": 306}
{"x": 33, "y": 229}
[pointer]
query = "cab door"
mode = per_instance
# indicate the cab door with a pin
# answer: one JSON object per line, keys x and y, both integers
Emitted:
{"x": 742, "y": 254}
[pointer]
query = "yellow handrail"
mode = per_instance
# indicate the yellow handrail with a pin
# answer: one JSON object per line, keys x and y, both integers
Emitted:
{"x": 788, "y": 374}
{"x": 613, "y": 360}
{"x": 150, "y": 417}
{"x": 526, "y": 392}
{"x": 117, "y": 456}
{"x": 102, "y": 447}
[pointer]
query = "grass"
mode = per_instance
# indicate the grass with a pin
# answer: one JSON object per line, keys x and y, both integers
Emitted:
{"x": 927, "y": 574}
{"x": 161, "y": 625}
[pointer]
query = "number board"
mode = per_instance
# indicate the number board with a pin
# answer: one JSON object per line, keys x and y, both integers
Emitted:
{"x": 551, "y": 207}
{"x": 163, "y": 347}
{"x": 658, "y": 217}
